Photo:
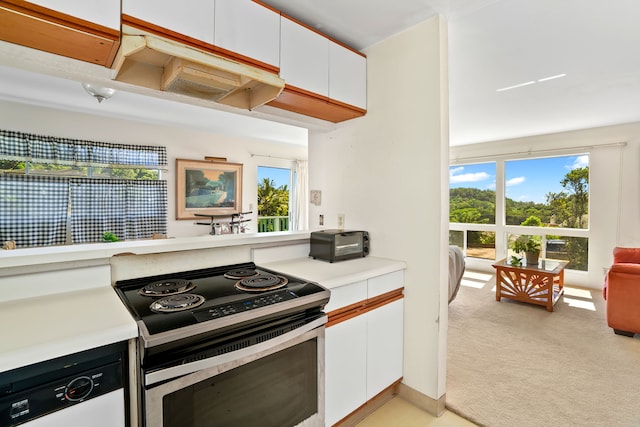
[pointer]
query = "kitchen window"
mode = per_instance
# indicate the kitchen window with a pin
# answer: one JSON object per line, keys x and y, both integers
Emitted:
{"x": 273, "y": 198}
{"x": 283, "y": 196}
{"x": 56, "y": 191}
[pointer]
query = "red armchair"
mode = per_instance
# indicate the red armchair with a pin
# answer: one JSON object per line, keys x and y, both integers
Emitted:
{"x": 622, "y": 292}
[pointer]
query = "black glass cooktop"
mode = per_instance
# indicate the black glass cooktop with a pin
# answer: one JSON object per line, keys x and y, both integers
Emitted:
{"x": 219, "y": 288}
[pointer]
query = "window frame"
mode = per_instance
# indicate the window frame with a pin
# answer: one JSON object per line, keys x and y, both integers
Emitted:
{"x": 290, "y": 185}
{"x": 500, "y": 228}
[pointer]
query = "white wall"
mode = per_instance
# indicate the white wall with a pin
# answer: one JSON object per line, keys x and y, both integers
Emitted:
{"x": 614, "y": 194}
{"x": 181, "y": 143}
{"x": 385, "y": 172}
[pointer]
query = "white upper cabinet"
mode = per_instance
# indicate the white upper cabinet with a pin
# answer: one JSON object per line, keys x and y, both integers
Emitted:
{"x": 304, "y": 57}
{"x": 313, "y": 62}
{"x": 248, "y": 28}
{"x": 193, "y": 18}
{"x": 101, "y": 12}
{"x": 347, "y": 76}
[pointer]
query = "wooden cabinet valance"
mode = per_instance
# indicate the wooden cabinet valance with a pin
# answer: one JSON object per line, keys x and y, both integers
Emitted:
{"x": 45, "y": 29}
{"x": 313, "y": 105}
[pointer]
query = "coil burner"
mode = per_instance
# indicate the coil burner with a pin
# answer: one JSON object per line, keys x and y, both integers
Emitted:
{"x": 175, "y": 303}
{"x": 241, "y": 273}
{"x": 261, "y": 282}
{"x": 163, "y": 288}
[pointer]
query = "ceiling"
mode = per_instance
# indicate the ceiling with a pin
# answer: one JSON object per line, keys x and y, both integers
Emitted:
{"x": 497, "y": 44}
{"x": 493, "y": 44}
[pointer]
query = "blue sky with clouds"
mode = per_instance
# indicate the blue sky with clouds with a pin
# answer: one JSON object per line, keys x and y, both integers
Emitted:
{"x": 525, "y": 180}
{"x": 280, "y": 176}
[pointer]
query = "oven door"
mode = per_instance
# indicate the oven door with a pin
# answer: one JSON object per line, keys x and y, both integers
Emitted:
{"x": 279, "y": 383}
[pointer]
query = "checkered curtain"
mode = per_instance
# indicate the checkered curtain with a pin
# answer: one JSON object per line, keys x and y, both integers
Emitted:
{"x": 33, "y": 210}
{"x": 50, "y": 149}
{"x": 146, "y": 208}
{"x": 129, "y": 209}
{"x": 44, "y": 211}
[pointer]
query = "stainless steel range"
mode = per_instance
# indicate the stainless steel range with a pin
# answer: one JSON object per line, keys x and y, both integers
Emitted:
{"x": 237, "y": 345}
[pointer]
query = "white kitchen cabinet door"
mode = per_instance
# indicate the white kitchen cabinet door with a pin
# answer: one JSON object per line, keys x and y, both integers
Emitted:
{"x": 345, "y": 368}
{"x": 304, "y": 57}
{"x": 193, "y": 18}
{"x": 384, "y": 346}
{"x": 347, "y": 76}
{"x": 385, "y": 283}
{"x": 101, "y": 12}
{"x": 248, "y": 28}
{"x": 343, "y": 296}
{"x": 107, "y": 410}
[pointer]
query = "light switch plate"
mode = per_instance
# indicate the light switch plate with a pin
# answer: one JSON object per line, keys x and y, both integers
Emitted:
{"x": 315, "y": 197}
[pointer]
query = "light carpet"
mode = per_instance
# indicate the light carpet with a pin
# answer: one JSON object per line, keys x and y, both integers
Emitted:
{"x": 515, "y": 364}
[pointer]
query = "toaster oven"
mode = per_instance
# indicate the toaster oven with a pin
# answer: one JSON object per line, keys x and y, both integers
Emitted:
{"x": 338, "y": 245}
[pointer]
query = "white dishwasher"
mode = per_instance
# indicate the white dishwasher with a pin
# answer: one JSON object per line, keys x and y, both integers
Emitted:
{"x": 84, "y": 388}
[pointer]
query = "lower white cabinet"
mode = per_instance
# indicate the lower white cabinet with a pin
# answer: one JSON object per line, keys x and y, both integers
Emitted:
{"x": 364, "y": 354}
{"x": 384, "y": 346}
{"x": 345, "y": 368}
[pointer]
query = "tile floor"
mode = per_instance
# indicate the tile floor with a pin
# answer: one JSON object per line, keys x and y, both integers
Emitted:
{"x": 400, "y": 413}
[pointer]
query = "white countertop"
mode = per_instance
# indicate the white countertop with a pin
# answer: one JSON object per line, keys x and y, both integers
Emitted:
{"x": 53, "y": 310}
{"x": 45, "y": 327}
{"x": 331, "y": 275}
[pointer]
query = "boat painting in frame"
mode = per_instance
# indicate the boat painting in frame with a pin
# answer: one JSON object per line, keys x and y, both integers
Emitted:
{"x": 207, "y": 187}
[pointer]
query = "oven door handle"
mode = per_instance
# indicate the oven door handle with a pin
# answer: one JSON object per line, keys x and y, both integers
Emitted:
{"x": 243, "y": 353}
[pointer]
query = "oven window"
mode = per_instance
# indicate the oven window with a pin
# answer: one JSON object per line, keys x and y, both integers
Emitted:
{"x": 278, "y": 390}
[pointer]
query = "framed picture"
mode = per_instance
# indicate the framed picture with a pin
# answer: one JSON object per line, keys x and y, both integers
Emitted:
{"x": 207, "y": 187}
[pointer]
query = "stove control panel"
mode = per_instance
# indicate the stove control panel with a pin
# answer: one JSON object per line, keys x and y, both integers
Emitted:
{"x": 257, "y": 301}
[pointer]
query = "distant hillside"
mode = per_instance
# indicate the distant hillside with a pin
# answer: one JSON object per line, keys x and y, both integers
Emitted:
{"x": 475, "y": 206}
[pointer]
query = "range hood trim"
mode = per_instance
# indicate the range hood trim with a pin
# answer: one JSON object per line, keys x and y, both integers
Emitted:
{"x": 142, "y": 57}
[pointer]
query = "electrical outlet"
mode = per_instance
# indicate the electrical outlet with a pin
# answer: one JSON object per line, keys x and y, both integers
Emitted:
{"x": 340, "y": 221}
{"x": 321, "y": 219}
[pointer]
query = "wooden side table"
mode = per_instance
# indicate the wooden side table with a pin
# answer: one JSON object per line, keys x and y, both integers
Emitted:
{"x": 541, "y": 284}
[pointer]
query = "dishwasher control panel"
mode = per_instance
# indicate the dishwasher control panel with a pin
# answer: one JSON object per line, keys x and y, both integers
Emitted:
{"x": 37, "y": 390}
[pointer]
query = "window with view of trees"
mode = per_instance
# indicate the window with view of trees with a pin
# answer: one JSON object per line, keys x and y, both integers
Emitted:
{"x": 472, "y": 200}
{"x": 472, "y": 193}
{"x": 554, "y": 190}
{"x": 547, "y": 197}
{"x": 273, "y": 199}
{"x": 56, "y": 191}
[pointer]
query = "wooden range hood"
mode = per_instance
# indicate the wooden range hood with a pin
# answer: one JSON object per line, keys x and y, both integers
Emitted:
{"x": 162, "y": 64}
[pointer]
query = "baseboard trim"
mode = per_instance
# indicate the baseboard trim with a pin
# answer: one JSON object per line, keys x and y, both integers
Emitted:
{"x": 370, "y": 406}
{"x": 422, "y": 401}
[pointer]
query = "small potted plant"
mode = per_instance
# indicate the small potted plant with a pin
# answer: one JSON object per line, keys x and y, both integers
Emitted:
{"x": 530, "y": 245}
{"x": 108, "y": 237}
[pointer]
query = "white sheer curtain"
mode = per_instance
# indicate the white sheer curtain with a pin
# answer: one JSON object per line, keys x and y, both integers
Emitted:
{"x": 300, "y": 196}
